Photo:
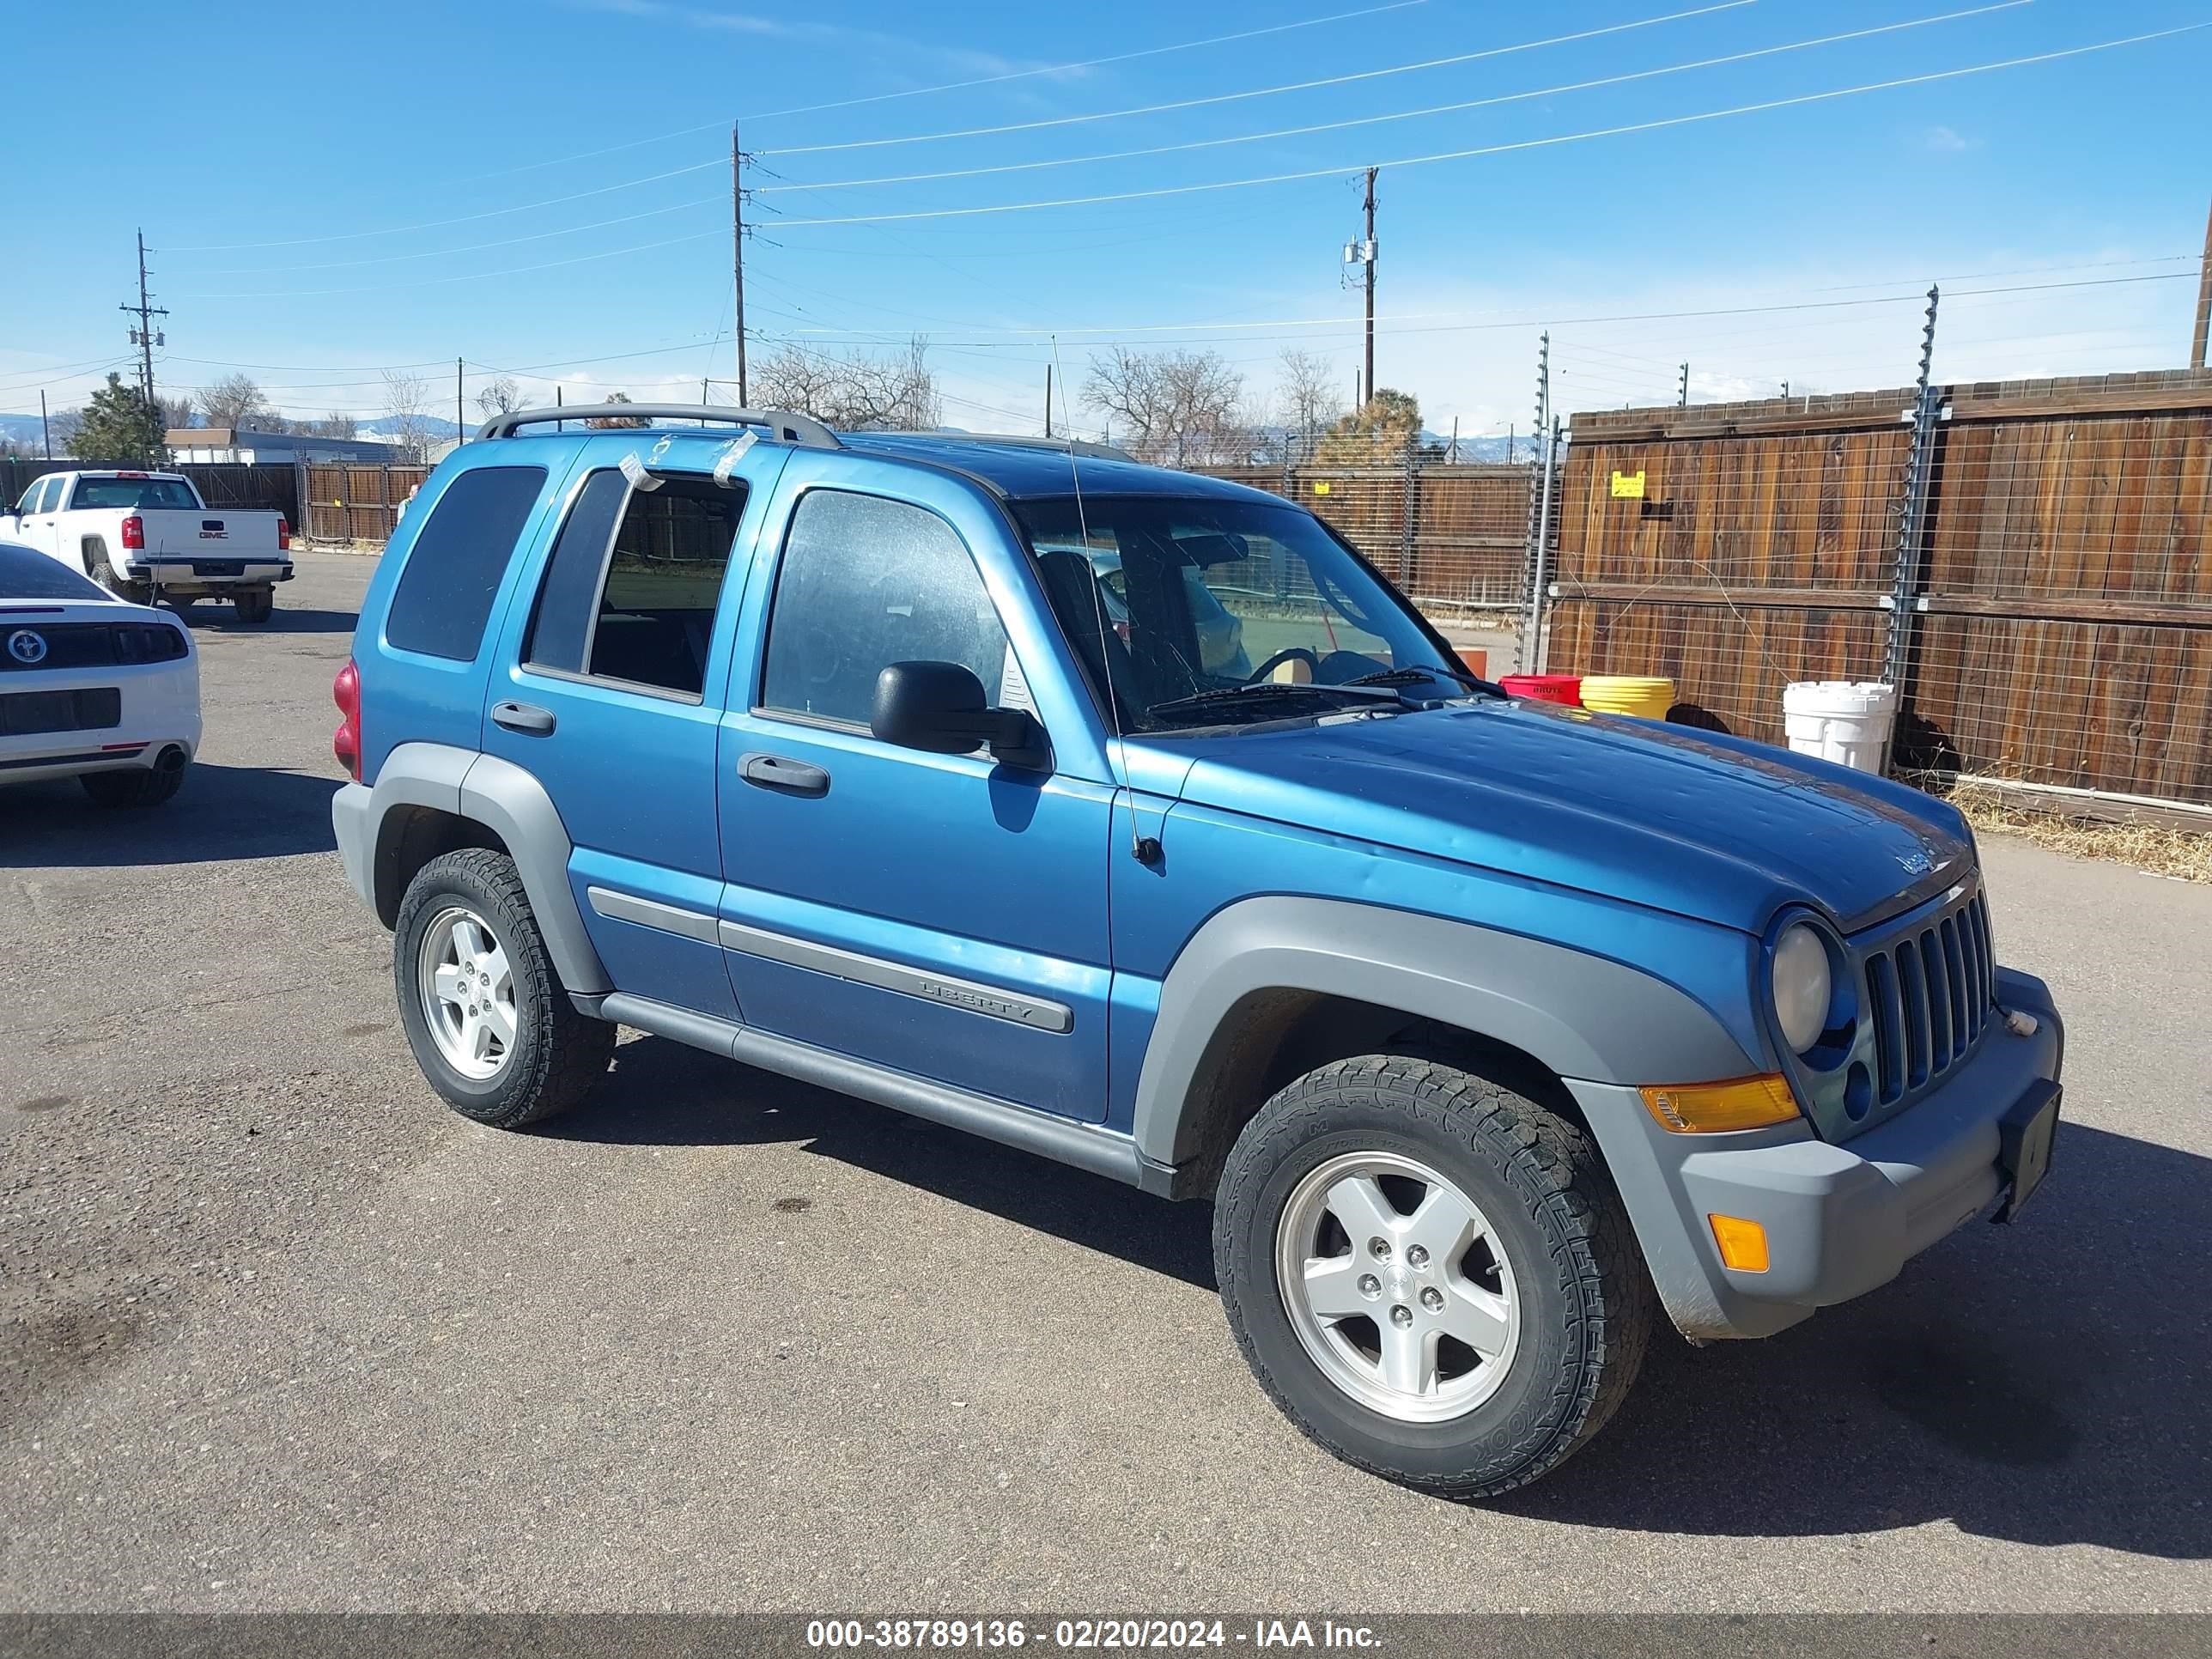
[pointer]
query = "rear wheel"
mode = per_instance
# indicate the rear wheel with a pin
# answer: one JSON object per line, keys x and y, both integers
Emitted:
{"x": 254, "y": 603}
{"x": 1430, "y": 1274}
{"x": 136, "y": 787}
{"x": 484, "y": 1011}
{"x": 101, "y": 570}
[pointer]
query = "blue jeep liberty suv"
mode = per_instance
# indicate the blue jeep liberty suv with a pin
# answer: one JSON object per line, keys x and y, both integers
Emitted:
{"x": 1131, "y": 818}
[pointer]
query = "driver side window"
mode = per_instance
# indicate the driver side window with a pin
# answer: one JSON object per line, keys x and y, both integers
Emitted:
{"x": 866, "y": 582}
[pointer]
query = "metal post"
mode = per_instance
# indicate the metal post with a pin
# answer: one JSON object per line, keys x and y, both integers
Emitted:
{"x": 1408, "y": 512}
{"x": 1919, "y": 470}
{"x": 1536, "y": 514}
{"x": 1535, "y": 650}
{"x": 2203, "y": 300}
{"x": 1048, "y": 400}
{"x": 45, "y": 432}
{"x": 460, "y": 410}
{"x": 1682, "y": 392}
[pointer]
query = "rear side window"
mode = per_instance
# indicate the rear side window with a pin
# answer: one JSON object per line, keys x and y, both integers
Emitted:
{"x": 631, "y": 588}
{"x": 446, "y": 592}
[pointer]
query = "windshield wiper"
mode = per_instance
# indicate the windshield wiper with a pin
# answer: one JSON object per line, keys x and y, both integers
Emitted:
{"x": 1266, "y": 692}
{"x": 1414, "y": 676}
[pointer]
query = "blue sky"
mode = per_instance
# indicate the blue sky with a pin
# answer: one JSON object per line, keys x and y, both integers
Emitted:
{"x": 330, "y": 193}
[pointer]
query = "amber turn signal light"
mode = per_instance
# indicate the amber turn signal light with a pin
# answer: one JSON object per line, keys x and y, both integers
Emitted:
{"x": 1705, "y": 1108}
{"x": 1743, "y": 1243}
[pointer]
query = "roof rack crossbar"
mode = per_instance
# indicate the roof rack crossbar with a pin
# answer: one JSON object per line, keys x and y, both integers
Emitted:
{"x": 802, "y": 429}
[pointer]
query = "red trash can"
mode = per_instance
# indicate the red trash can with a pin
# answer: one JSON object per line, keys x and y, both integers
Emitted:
{"x": 1546, "y": 688}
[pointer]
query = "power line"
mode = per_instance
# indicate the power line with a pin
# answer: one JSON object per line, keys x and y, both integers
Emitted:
{"x": 1393, "y": 115}
{"x": 947, "y": 86}
{"x": 1261, "y": 92}
{"x": 1505, "y": 149}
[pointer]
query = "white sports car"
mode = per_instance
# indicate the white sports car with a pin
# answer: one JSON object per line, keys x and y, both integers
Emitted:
{"x": 91, "y": 687}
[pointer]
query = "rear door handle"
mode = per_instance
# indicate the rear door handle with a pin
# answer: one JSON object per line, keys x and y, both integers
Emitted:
{"x": 524, "y": 717}
{"x": 786, "y": 777}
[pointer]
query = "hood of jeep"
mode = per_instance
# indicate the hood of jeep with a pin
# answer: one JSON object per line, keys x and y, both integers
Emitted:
{"x": 1701, "y": 824}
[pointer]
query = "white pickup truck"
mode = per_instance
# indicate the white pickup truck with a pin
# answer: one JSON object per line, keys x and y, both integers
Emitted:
{"x": 145, "y": 536}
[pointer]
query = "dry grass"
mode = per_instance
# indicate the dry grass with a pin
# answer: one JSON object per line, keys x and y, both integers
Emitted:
{"x": 2157, "y": 848}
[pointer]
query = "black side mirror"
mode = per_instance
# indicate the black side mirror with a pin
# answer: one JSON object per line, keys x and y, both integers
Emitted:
{"x": 939, "y": 707}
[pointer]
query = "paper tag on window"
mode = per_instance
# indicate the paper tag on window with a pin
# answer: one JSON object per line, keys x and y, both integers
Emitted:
{"x": 633, "y": 470}
{"x": 731, "y": 454}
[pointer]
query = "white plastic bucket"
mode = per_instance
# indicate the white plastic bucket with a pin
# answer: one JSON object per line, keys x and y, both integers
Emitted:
{"x": 1846, "y": 721}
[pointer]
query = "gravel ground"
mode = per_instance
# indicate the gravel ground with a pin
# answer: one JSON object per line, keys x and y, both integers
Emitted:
{"x": 277, "y": 1330}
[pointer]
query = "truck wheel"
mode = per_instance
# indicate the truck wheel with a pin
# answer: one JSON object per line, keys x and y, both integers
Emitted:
{"x": 96, "y": 566}
{"x": 484, "y": 1011}
{"x": 254, "y": 603}
{"x": 141, "y": 786}
{"x": 1430, "y": 1275}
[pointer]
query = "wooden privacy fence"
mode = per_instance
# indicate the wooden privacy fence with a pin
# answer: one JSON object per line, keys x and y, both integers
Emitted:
{"x": 358, "y": 503}
{"x": 1446, "y": 534}
{"x": 2058, "y": 597}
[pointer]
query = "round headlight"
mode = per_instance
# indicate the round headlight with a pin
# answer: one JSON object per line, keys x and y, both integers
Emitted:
{"x": 1802, "y": 987}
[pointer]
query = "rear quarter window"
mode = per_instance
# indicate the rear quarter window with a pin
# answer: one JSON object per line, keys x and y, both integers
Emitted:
{"x": 445, "y": 594}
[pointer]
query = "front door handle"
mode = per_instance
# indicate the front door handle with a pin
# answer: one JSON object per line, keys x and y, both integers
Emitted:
{"x": 524, "y": 717}
{"x": 786, "y": 777}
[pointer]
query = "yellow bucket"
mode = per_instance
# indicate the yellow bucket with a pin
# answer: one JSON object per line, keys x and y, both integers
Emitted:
{"x": 1628, "y": 694}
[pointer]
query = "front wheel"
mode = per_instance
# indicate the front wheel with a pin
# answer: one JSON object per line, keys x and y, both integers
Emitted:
{"x": 488, "y": 1020}
{"x": 1431, "y": 1275}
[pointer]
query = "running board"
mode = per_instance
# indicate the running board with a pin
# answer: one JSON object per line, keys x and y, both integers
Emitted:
{"x": 1086, "y": 1146}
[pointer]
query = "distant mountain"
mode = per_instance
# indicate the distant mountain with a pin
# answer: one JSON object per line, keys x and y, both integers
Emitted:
{"x": 21, "y": 430}
{"x": 383, "y": 429}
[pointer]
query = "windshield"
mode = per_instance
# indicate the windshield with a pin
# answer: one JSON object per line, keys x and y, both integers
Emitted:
{"x": 1202, "y": 597}
{"x": 133, "y": 493}
{"x": 26, "y": 573}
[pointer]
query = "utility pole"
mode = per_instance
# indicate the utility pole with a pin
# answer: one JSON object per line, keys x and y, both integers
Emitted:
{"x": 1682, "y": 392}
{"x": 460, "y": 414}
{"x": 738, "y": 251}
{"x": 143, "y": 336}
{"x": 1048, "y": 400}
{"x": 1367, "y": 252}
{"x": 2203, "y": 300}
{"x": 45, "y": 432}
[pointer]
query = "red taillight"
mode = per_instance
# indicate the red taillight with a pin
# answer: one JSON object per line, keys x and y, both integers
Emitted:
{"x": 345, "y": 742}
{"x": 283, "y": 534}
{"x": 134, "y": 533}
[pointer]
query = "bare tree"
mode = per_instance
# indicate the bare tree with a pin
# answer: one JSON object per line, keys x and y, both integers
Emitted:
{"x": 176, "y": 412}
{"x": 406, "y": 401}
{"x": 893, "y": 393}
{"x": 1308, "y": 398}
{"x": 606, "y": 422}
{"x": 62, "y": 428}
{"x": 235, "y": 401}
{"x": 1181, "y": 407}
{"x": 499, "y": 397}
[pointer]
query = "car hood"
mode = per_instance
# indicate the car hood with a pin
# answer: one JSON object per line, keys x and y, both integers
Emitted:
{"x": 1695, "y": 823}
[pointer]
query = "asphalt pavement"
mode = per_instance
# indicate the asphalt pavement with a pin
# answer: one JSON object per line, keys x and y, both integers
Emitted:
{"x": 279, "y": 1331}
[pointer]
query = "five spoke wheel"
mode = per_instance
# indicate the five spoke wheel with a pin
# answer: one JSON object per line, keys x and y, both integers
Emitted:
{"x": 1397, "y": 1286}
{"x": 468, "y": 993}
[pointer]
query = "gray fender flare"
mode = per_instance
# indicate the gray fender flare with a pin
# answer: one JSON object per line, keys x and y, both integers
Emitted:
{"x": 1582, "y": 1016}
{"x": 513, "y": 805}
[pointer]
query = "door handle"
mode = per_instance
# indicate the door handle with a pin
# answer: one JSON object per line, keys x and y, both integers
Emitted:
{"x": 786, "y": 777}
{"x": 523, "y": 717}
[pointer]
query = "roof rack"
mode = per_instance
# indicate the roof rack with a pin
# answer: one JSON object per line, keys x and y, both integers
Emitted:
{"x": 1096, "y": 451}
{"x": 802, "y": 429}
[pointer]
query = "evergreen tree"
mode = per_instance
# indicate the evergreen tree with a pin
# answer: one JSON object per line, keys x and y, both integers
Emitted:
{"x": 118, "y": 424}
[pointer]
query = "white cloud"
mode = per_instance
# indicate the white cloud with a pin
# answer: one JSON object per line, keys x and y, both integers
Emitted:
{"x": 1949, "y": 141}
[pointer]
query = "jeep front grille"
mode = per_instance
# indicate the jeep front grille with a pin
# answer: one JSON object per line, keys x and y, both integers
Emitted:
{"x": 1931, "y": 989}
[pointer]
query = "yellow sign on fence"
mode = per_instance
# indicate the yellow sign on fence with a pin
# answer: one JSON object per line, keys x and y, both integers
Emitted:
{"x": 1320, "y": 486}
{"x": 1628, "y": 486}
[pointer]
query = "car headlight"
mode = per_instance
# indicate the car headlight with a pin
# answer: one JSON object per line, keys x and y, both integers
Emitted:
{"x": 1803, "y": 987}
